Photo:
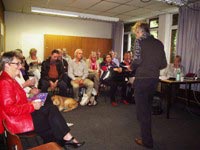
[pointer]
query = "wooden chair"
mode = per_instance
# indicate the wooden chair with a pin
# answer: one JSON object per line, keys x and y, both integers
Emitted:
{"x": 48, "y": 146}
{"x": 14, "y": 142}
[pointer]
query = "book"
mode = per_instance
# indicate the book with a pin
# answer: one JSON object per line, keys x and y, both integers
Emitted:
{"x": 41, "y": 96}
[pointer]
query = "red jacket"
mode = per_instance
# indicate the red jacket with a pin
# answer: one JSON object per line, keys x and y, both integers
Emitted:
{"x": 1, "y": 125}
{"x": 15, "y": 108}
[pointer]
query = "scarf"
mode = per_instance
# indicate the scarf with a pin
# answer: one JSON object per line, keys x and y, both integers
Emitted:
{"x": 137, "y": 46}
{"x": 93, "y": 65}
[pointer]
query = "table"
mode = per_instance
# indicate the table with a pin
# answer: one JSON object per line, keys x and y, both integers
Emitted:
{"x": 171, "y": 84}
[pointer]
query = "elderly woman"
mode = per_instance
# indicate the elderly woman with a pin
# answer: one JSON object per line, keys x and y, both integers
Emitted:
{"x": 34, "y": 63}
{"x": 22, "y": 115}
{"x": 93, "y": 67}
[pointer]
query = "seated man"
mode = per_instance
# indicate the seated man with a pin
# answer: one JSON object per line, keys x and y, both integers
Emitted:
{"x": 78, "y": 72}
{"x": 52, "y": 74}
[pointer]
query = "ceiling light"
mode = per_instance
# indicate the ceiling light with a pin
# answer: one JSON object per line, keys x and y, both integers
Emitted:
{"x": 73, "y": 14}
{"x": 53, "y": 12}
{"x": 175, "y": 2}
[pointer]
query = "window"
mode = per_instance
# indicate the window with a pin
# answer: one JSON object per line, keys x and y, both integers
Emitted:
{"x": 175, "y": 19}
{"x": 153, "y": 23}
{"x": 125, "y": 42}
{"x": 173, "y": 45}
{"x": 132, "y": 42}
{"x": 128, "y": 37}
{"x": 154, "y": 33}
{"x": 174, "y": 31}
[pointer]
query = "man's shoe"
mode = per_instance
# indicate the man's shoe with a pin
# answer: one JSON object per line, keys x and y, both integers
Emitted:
{"x": 139, "y": 142}
{"x": 92, "y": 102}
{"x": 84, "y": 100}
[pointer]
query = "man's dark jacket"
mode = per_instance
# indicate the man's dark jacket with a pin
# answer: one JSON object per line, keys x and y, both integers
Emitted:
{"x": 46, "y": 67}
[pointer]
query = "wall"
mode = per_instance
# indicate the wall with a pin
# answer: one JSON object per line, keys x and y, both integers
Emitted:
{"x": 2, "y": 33}
{"x": 26, "y": 31}
{"x": 70, "y": 43}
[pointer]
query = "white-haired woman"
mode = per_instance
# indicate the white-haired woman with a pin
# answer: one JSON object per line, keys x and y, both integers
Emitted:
{"x": 34, "y": 63}
{"x": 93, "y": 68}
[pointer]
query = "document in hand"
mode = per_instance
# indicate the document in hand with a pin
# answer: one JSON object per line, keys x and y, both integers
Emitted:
{"x": 40, "y": 96}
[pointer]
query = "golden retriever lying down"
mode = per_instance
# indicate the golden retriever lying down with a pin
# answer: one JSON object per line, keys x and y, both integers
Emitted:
{"x": 64, "y": 103}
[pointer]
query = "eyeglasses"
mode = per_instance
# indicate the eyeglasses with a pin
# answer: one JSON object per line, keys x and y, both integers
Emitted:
{"x": 16, "y": 63}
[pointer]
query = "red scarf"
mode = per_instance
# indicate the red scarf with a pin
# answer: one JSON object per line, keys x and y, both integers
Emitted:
{"x": 93, "y": 64}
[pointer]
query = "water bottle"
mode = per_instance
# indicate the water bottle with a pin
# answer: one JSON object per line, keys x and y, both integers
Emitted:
{"x": 178, "y": 75}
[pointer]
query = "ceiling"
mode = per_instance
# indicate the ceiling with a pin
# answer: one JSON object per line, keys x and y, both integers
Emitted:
{"x": 125, "y": 10}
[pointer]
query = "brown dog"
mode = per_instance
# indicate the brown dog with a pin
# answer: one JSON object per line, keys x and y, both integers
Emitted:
{"x": 64, "y": 103}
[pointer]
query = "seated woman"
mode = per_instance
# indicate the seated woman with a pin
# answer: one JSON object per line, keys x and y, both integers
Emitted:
{"x": 111, "y": 75}
{"x": 172, "y": 69}
{"x": 129, "y": 76}
{"x": 28, "y": 85}
{"x": 22, "y": 115}
{"x": 34, "y": 63}
{"x": 93, "y": 68}
{"x": 24, "y": 69}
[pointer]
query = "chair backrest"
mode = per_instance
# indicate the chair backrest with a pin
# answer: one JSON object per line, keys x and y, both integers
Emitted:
{"x": 48, "y": 146}
{"x": 13, "y": 141}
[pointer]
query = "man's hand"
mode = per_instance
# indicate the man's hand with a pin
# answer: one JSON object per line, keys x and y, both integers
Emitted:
{"x": 76, "y": 81}
{"x": 53, "y": 85}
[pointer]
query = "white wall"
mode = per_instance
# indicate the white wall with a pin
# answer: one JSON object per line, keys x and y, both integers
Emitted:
{"x": 27, "y": 31}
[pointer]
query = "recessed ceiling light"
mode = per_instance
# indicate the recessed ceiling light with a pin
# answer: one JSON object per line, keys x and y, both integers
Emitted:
{"x": 73, "y": 14}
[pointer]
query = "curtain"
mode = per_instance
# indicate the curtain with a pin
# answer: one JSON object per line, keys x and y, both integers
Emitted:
{"x": 117, "y": 38}
{"x": 188, "y": 41}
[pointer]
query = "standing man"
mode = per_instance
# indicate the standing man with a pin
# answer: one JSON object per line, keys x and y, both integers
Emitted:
{"x": 78, "y": 72}
{"x": 149, "y": 58}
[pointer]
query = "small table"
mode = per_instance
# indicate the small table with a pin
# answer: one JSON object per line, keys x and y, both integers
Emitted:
{"x": 171, "y": 84}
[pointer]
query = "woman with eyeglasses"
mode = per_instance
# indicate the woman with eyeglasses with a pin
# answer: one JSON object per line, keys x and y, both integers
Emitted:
{"x": 21, "y": 115}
